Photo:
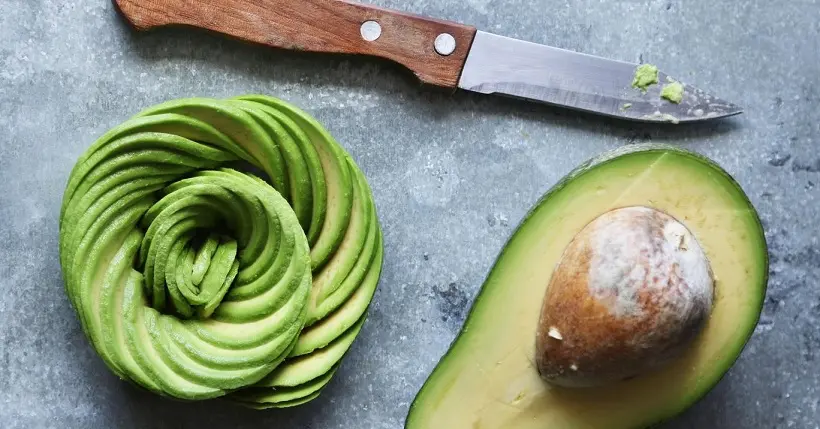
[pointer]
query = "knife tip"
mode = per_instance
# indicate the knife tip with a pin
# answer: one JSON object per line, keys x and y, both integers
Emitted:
{"x": 700, "y": 105}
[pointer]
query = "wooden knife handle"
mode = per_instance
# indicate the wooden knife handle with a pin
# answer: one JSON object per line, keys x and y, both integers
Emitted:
{"x": 333, "y": 26}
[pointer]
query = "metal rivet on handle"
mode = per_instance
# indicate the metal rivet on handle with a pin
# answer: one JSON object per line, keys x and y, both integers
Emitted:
{"x": 445, "y": 44}
{"x": 371, "y": 30}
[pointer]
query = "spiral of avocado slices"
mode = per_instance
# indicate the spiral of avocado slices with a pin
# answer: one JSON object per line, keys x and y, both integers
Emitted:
{"x": 221, "y": 248}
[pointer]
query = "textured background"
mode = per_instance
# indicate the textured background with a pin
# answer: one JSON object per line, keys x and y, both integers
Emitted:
{"x": 452, "y": 176}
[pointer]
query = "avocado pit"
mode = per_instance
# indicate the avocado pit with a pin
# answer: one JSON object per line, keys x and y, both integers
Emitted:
{"x": 631, "y": 292}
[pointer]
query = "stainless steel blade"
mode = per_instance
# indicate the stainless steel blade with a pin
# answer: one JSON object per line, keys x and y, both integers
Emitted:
{"x": 502, "y": 65}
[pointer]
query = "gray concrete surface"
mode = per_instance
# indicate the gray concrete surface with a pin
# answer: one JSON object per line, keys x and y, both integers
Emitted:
{"x": 452, "y": 176}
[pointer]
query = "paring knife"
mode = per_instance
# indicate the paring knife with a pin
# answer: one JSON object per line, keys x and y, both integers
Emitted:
{"x": 440, "y": 53}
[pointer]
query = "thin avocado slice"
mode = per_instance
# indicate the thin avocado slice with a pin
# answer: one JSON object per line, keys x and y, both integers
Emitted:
{"x": 488, "y": 378}
{"x": 328, "y": 329}
{"x": 149, "y": 128}
{"x": 337, "y": 177}
{"x": 286, "y": 404}
{"x": 307, "y": 177}
{"x": 353, "y": 248}
{"x": 302, "y": 369}
{"x": 300, "y": 183}
{"x": 110, "y": 296}
{"x": 241, "y": 127}
{"x": 285, "y": 395}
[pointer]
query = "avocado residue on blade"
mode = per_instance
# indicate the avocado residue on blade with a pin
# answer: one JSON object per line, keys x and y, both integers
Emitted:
{"x": 645, "y": 75}
{"x": 666, "y": 117}
{"x": 673, "y": 92}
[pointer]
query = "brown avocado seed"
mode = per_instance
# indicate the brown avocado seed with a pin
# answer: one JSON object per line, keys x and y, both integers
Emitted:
{"x": 632, "y": 290}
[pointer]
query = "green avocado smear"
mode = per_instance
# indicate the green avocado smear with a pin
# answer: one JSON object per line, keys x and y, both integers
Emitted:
{"x": 645, "y": 75}
{"x": 194, "y": 277}
{"x": 673, "y": 92}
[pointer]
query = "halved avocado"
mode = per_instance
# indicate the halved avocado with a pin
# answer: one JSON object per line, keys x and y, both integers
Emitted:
{"x": 488, "y": 379}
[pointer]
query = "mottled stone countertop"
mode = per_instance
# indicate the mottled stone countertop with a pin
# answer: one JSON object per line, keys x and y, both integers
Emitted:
{"x": 452, "y": 176}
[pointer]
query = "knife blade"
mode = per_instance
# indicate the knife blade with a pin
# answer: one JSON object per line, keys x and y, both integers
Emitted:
{"x": 498, "y": 64}
{"x": 439, "y": 52}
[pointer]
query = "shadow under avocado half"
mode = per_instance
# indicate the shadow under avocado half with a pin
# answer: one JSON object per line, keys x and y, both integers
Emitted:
{"x": 644, "y": 236}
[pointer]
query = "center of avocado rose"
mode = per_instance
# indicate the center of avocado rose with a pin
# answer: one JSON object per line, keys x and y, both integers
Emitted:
{"x": 631, "y": 292}
{"x": 208, "y": 267}
{"x": 189, "y": 256}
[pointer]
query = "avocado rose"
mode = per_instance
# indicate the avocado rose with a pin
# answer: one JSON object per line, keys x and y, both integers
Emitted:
{"x": 221, "y": 248}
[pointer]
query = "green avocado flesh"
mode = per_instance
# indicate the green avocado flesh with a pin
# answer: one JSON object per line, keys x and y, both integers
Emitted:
{"x": 645, "y": 75}
{"x": 673, "y": 92}
{"x": 194, "y": 278}
{"x": 488, "y": 378}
